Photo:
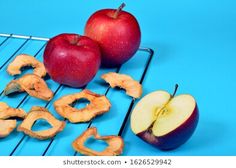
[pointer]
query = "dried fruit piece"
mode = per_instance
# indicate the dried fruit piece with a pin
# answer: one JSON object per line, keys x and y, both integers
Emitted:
{"x": 8, "y": 112}
{"x": 32, "y": 84}
{"x": 6, "y": 127}
{"x": 23, "y": 60}
{"x": 133, "y": 88}
{"x": 115, "y": 144}
{"x": 37, "y": 113}
{"x": 99, "y": 104}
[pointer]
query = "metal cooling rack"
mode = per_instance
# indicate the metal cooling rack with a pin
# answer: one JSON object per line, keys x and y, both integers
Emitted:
{"x": 21, "y": 144}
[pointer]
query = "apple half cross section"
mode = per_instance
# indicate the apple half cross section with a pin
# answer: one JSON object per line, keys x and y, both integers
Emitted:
{"x": 163, "y": 120}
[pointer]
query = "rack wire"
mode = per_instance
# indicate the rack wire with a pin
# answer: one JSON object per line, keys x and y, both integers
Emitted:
{"x": 44, "y": 40}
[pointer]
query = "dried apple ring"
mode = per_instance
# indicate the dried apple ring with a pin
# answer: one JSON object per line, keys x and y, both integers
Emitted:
{"x": 6, "y": 127}
{"x": 32, "y": 84}
{"x": 115, "y": 144}
{"x": 23, "y": 60}
{"x": 133, "y": 88}
{"x": 37, "y": 113}
{"x": 8, "y": 112}
{"x": 99, "y": 104}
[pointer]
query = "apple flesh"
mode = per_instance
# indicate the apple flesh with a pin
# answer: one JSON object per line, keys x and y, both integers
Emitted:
{"x": 163, "y": 120}
{"x": 71, "y": 59}
{"x": 117, "y": 32}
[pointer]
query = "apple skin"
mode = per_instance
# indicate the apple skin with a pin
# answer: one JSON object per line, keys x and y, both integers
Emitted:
{"x": 174, "y": 138}
{"x": 119, "y": 38}
{"x": 71, "y": 59}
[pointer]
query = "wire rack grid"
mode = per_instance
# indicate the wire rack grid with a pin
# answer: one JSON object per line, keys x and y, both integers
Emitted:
{"x": 19, "y": 144}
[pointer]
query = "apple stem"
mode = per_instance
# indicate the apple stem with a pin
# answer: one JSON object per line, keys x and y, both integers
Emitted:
{"x": 118, "y": 10}
{"x": 176, "y": 88}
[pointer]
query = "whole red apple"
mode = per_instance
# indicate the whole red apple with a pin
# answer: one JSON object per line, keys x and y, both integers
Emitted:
{"x": 72, "y": 59}
{"x": 117, "y": 32}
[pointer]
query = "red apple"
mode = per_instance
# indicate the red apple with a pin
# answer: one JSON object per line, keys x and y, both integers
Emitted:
{"x": 163, "y": 120}
{"x": 72, "y": 59}
{"x": 117, "y": 33}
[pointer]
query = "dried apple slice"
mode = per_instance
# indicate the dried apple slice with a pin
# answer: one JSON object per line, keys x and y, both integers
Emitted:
{"x": 32, "y": 84}
{"x": 23, "y": 60}
{"x": 98, "y": 105}
{"x": 6, "y": 127}
{"x": 133, "y": 88}
{"x": 8, "y": 112}
{"x": 115, "y": 144}
{"x": 37, "y": 113}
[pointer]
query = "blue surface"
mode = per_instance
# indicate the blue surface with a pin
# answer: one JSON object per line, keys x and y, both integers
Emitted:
{"x": 194, "y": 43}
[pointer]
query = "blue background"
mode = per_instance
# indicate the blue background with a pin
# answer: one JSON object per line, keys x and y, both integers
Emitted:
{"x": 194, "y": 43}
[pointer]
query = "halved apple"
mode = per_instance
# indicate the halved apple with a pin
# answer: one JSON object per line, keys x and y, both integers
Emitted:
{"x": 164, "y": 120}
